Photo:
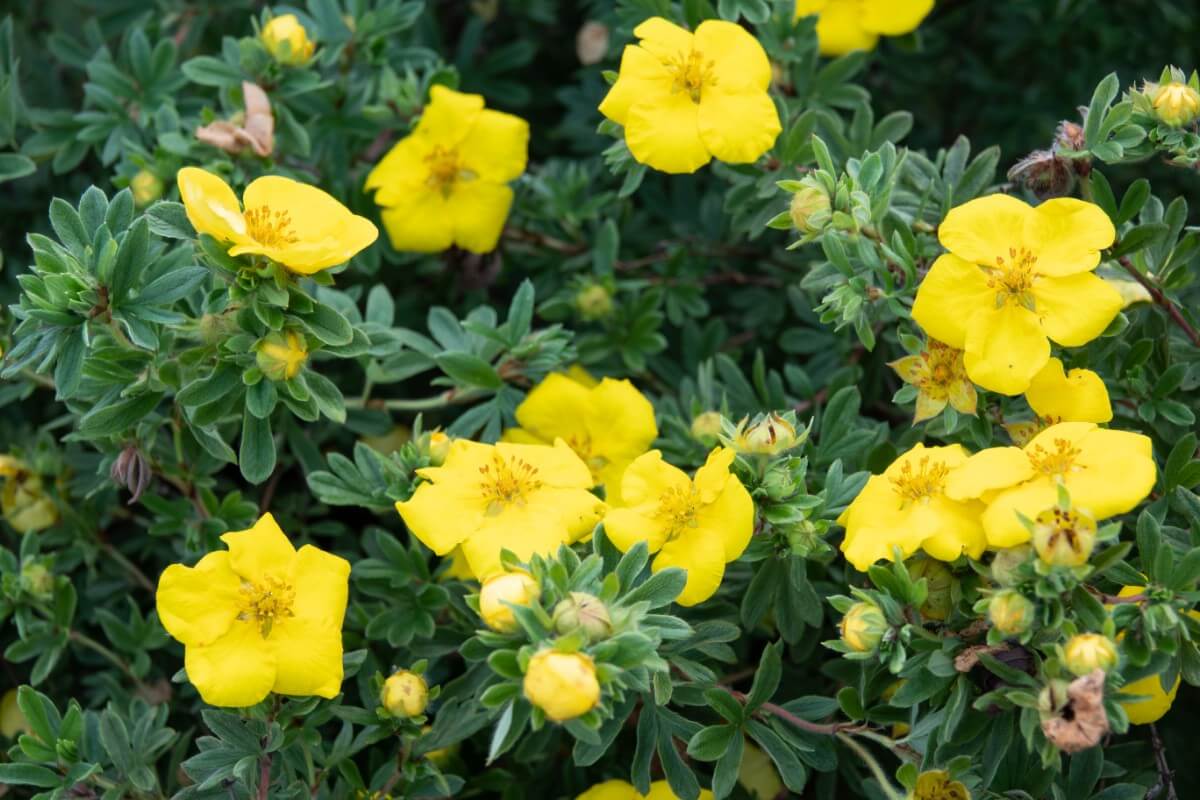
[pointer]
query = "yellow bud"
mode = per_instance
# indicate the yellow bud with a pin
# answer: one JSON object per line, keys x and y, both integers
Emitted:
{"x": 280, "y": 357}
{"x": 516, "y": 588}
{"x": 1086, "y": 652}
{"x": 594, "y": 302}
{"x": 12, "y": 719}
{"x": 768, "y": 434}
{"x": 1011, "y": 612}
{"x": 405, "y": 694}
{"x": 583, "y": 611}
{"x": 809, "y": 209}
{"x": 936, "y": 784}
{"x": 706, "y": 427}
{"x": 438, "y": 447}
{"x": 863, "y": 627}
{"x": 562, "y": 685}
{"x": 1064, "y": 537}
{"x": 1175, "y": 103}
{"x": 146, "y": 187}
{"x": 940, "y": 582}
{"x": 286, "y": 40}
{"x": 25, "y": 504}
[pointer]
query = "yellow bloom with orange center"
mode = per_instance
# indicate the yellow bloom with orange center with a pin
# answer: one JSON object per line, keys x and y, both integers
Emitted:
{"x": 940, "y": 378}
{"x": 257, "y": 618}
{"x": 907, "y": 507}
{"x": 1080, "y": 395}
{"x": 287, "y": 40}
{"x": 1105, "y": 472}
{"x": 1015, "y": 278}
{"x": 697, "y": 524}
{"x": 292, "y": 223}
{"x": 486, "y": 498}
{"x": 446, "y": 183}
{"x": 847, "y": 25}
{"x": 608, "y": 424}
{"x": 686, "y": 98}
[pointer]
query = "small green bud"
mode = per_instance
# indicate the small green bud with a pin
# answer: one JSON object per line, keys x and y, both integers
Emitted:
{"x": 583, "y": 611}
{"x": 1010, "y": 612}
{"x": 809, "y": 209}
{"x": 594, "y": 302}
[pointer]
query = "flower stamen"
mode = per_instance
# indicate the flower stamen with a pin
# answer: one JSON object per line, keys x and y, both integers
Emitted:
{"x": 677, "y": 509}
{"x": 445, "y": 168}
{"x": 1013, "y": 278}
{"x": 506, "y": 483}
{"x": 926, "y": 480}
{"x": 264, "y": 603}
{"x": 270, "y": 228}
{"x": 1058, "y": 461}
{"x": 692, "y": 74}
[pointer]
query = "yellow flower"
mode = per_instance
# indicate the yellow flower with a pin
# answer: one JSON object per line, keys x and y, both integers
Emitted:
{"x": 1106, "y": 473}
{"x": 446, "y": 183}
{"x": 940, "y": 378}
{"x": 698, "y": 524}
{"x": 608, "y": 424}
{"x": 23, "y": 501}
{"x": 499, "y": 592}
{"x": 687, "y": 98}
{"x": 1075, "y": 396}
{"x": 1085, "y": 652}
{"x": 257, "y": 618}
{"x": 936, "y": 784}
{"x": 661, "y": 790}
{"x": 457, "y": 568}
{"x": 146, "y": 187}
{"x": 847, "y": 25}
{"x": 1064, "y": 537}
{"x": 286, "y": 40}
{"x": 526, "y": 498}
{"x": 1175, "y": 103}
{"x": 281, "y": 356}
{"x": 623, "y": 790}
{"x": 562, "y": 685}
{"x": 297, "y": 225}
{"x": 1014, "y": 277}
{"x": 405, "y": 694}
{"x": 907, "y": 507}
{"x": 12, "y": 718}
{"x": 863, "y": 627}
{"x": 1154, "y": 703}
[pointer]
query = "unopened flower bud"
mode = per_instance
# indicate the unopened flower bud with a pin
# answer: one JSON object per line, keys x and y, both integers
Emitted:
{"x": 1044, "y": 173}
{"x": 281, "y": 356}
{"x": 146, "y": 188}
{"x": 1064, "y": 537}
{"x": 1007, "y": 563}
{"x": 583, "y": 611}
{"x": 25, "y": 504}
{"x": 706, "y": 427}
{"x": 405, "y": 694}
{"x": 286, "y": 40}
{"x": 780, "y": 482}
{"x": 132, "y": 470}
{"x": 1070, "y": 136}
{"x": 1086, "y": 652}
{"x": 863, "y": 627}
{"x": 1175, "y": 103}
{"x": 1010, "y": 612}
{"x": 768, "y": 434}
{"x": 936, "y": 784}
{"x": 562, "y": 685}
{"x": 515, "y": 588}
{"x": 940, "y": 583}
{"x": 37, "y": 580}
{"x": 809, "y": 209}
{"x": 594, "y": 302}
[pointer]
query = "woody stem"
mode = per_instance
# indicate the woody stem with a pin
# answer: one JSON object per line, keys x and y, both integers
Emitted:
{"x": 1162, "y": 300}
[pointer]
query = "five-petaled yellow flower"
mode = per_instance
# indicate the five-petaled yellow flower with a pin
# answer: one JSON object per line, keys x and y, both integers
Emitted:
{"x": 697, "y": 525}
{"x": 687, "y": 98}
{"x": 1106, "y": 473}
{"x": 623, "y": 790}
{"x": 486, "y": 498}
{"x": 1079, "y": 395}
{"x": 446, "y": 183}
{"x": 257, "y": 618}
{"x": 940, "y": 378}
{"x": 1015, "y": 277}
{"x": 292, "y": 223}
{"x": 608, "y": 424}
{"x": 908, "y": 507}
{"x": 847, "y": 25}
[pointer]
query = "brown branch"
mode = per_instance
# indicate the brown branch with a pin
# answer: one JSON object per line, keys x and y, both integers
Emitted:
{"x": 827, "y": 729}
{"x": 1162, "y": 300}
{"x": 1165, "y": 774}
{"x": 264, "y": 777}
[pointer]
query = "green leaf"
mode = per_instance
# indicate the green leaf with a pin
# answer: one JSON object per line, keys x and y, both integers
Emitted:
{"x": 710, "y": 743}
{"x": 29, "y": 775}
{"x": 209, "y": 71}
{"x": 1102, "y": 98}
{"x": 659, "y": 589}
{"x": 169, "y": 220}
{"x": 725, "y": 774}
{"x": 256, "y": 456}
{"x": 791, "y": 770}
{"x": 68, "y": 226}
{"x": 766, "y": 678}
{"x": 14, "y": 165}
{"x": 469, "y": 370}
{"x": 327, "y": 325}
{"x": 118, "y": 417}
{"x": 173, "y": 286}
{"x": 69, "y": 367}
{"x": 327, "y": 396}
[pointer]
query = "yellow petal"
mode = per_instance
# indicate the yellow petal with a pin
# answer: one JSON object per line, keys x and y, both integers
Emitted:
{"x": 869, "y": 543}
{"x": 987, "y": 471}
{"x": 729, "y": 518}
{"x": 649, "y": 478}
{"x": 1076, "y": 309}
{"x": 840, "y": 29}
{"x": 663, "y": 38}
{"x": 322, "y": 582}
{"x": 581, "y": 376}
{"x": 1077, "y": 396}
{"x": 962, "y": 396}
{"x": 1005, "y": 348}
{"x": 308, "y": 657}
{"x": 927, "y": 406}
{"x": 198, "y": 604}
{"x": 911, "y": 369}
{"x": 479, "y": 209}
{"x": 1115, "y": 471}
{"x": 556, "y": 408}
{"x": 260, "y": 551}
{"x": 712, "y": 478}
{"x": 557, "y": 466}
{"x": 548, "y": 519}
{"x": 702, "y": 555}
{"x": 986, "y": 229}
{"x": 951, "y": 528}
{"x": 419, "y": 222}
{"x": 400, "y": 171}
{"x": 806, "y": 8}
{"x": 642, "y": 76}
{"x": 737, "y": 127}
{"x": 497, "y": 147}
{"x": 625, "y": 527}
{"x": 619, "y": 419}
{"x": 665, "y": 134}
{"x": 894, "y": 17}
{"x": 661, "y": 790}
{"x": 449, "y": 116}
{"x": 211, "y": 205}
{"x": 1067, "y": 236}
{"x": 951, "y": 291}
{"x": 1000, "y": 520}
{"x": 235, "y": 671}
{"x": 442, "y": 514}
{"x": 611, "y": 790}
{"x": 522, "y": 436}
{"x": 739, "y": 62}
{"x": 1154, "y": 701}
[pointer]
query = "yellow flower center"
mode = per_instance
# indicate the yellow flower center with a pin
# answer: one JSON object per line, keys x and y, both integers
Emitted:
{"x": 582, "y": 445}
{"x": 677, "y": 509}
{"x": 1012, "y": 278}
{"x": 263, "y": 603}
{"x": 445, "y": 168}
{"x": 1058, "y": 461}
{"x": 928, "y": 479}
{"x": 692, "y": 73}
{"x": 270, "y": 228}
{"x": 507, "y": 482}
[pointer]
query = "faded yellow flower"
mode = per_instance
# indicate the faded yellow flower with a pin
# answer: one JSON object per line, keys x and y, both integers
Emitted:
{"x": 940, "y": 378}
